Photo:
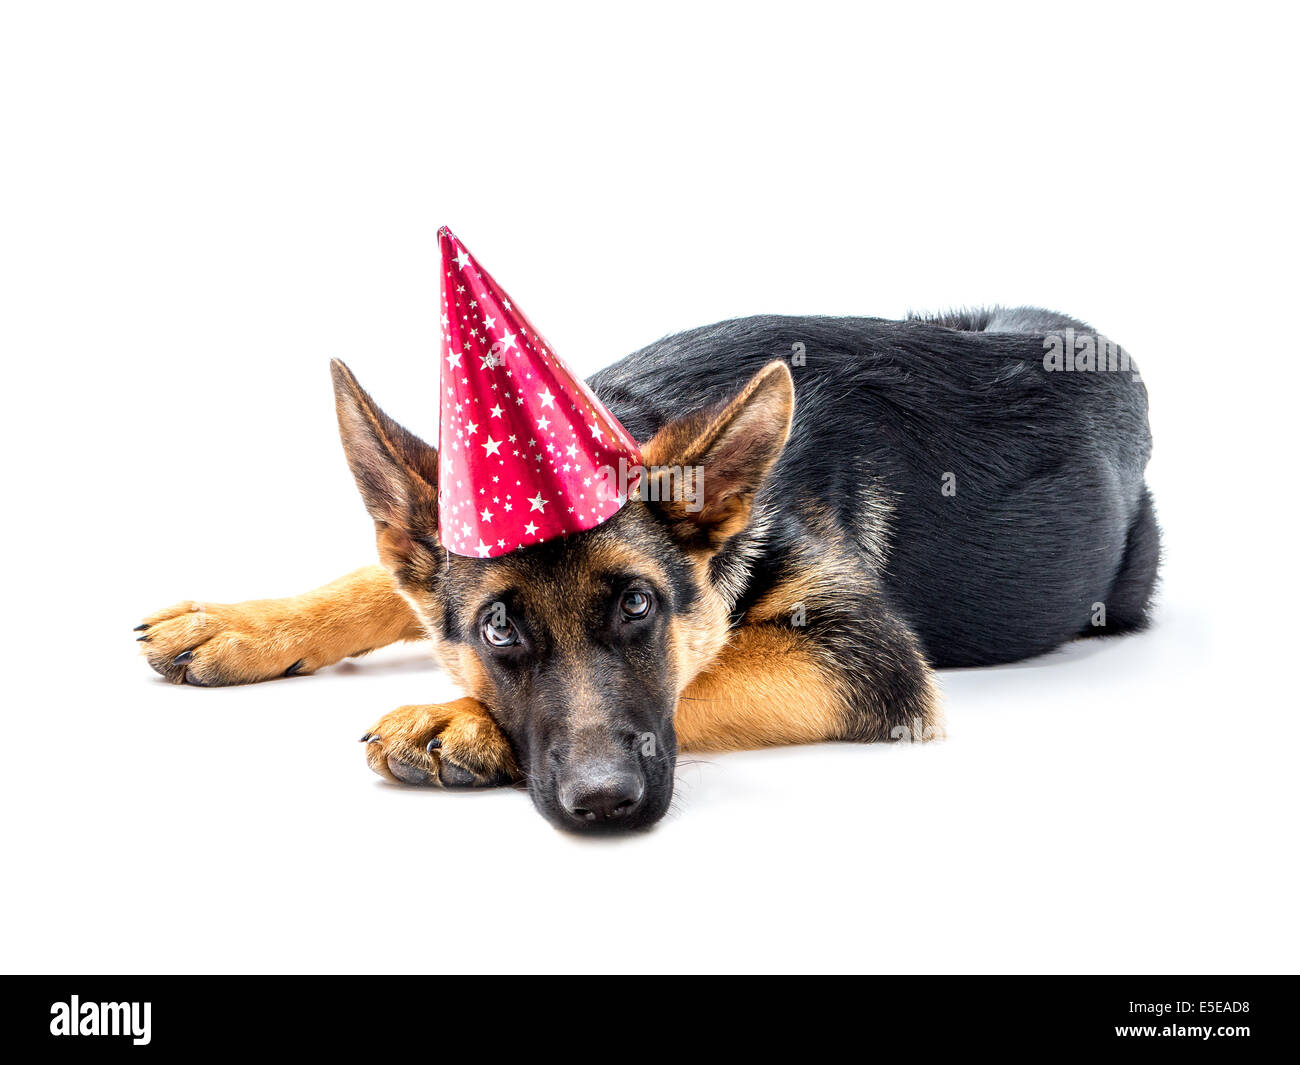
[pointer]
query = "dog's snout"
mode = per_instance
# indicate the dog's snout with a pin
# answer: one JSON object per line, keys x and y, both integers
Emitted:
{"x": 606, "y": 794}
{"x": 611, "y": 777}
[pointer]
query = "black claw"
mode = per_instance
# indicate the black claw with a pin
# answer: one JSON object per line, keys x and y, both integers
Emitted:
{"x": 183, "y": 658}
{"x": 142, "y": 639}
{"x": 365, "y": 737}
{"x": 293, "y": 669}
{"x": 433, "y": 744}
{"x": 374, "y": 739}
{"x": 140, "y": 628}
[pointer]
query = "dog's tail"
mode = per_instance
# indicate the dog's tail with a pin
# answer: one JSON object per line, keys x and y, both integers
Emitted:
{"x": 996, "y": 319}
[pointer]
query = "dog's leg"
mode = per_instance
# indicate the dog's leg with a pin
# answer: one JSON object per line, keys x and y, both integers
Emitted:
{"x": 775, "y": 685}
{"x": 450, "y": 745}
{"x": 238, "y": 643}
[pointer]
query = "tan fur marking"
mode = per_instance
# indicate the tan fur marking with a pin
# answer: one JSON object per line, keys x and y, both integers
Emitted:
{"x": 813, "y": 580}
{"x": 468, "y": 736}
{"x": 614, "y": 555}
{"x": 396, "y": 472}
{"x": 736, "y": 447}
{"x": 765, "y": 689}
{"x": 466, "y": 670}
{"x": 237, "y": 643}
{"x": 819, "y": 580}
{"x": 697, "y": 638}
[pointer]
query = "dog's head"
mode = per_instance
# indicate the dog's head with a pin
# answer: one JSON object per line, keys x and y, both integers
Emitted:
{"x": 580, "y": 646}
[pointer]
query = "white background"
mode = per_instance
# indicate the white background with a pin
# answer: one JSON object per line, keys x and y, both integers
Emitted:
{"x": 202, "y": 205}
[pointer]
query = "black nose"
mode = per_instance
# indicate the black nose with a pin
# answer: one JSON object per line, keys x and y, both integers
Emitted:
{"x": 603, "y": 797}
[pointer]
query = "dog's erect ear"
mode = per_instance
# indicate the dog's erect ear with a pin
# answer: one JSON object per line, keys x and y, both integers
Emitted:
{"x": 396, "y": 471}
{"x": 731, "y": 449}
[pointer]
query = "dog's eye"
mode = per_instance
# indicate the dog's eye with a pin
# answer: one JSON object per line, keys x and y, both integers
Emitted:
{"x": 635, "y": 605}
{"x": 500, "y": 635}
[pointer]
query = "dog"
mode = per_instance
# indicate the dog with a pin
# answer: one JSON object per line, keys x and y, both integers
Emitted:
{"x": 878, "y": 499}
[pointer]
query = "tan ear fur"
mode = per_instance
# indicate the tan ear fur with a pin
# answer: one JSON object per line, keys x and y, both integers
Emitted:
{"x": 395, "y": 470}
{"x": 734, "y": 447}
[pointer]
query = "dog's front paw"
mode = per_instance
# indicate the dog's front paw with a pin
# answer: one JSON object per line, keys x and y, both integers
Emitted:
{"x": 209, "y": 644}
{"x": 449, "y": 745}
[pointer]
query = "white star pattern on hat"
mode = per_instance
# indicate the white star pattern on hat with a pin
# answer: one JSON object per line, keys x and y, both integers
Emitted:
{"x": 552, "y": 457}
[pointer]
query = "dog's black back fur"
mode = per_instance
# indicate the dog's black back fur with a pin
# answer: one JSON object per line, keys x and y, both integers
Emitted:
{"x": 1045, "y": 516}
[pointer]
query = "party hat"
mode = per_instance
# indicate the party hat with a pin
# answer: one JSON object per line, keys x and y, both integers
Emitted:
{"x": 527, "y": 452}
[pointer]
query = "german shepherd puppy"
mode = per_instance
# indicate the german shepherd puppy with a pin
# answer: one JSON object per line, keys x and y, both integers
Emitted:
{"x": 937, "y": 495}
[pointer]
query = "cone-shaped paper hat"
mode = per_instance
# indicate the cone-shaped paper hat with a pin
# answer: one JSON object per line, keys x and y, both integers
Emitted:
{"x": 527, "y": 452}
